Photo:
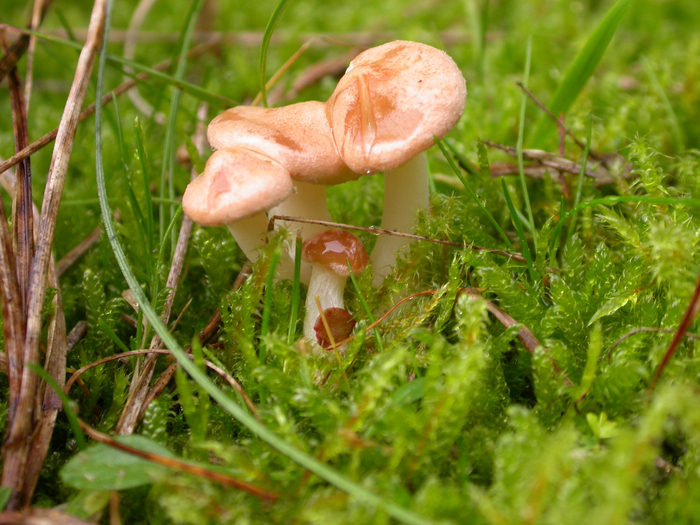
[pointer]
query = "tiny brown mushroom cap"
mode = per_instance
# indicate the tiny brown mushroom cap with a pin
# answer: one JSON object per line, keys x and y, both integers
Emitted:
{"x": 391, "y": 101}
{"x": 297, "y": 136}
{"x": 236, "y": 184}
{"x": 340, "y": 322}
{"x": 333, "y": 249}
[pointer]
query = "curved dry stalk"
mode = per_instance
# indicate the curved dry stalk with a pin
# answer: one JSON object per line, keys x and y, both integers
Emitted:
{"x": 690, "y": 314}
{"x": 204, "y": 336}
{"x": 177, "y": 464}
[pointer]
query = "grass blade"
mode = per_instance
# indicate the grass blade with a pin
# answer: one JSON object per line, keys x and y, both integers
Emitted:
{"x": 169, "y": 151}
{"x": 519, "y": 147}
{"x": 143, "y": 161}
{"x": 521, "y": 234}
{"x": 368, "y": 311}
{"x": 581, "y": 69}
{"x": 294, "y": 314}
{"x": 271, "y": 25}
{"x": 581, "y": 176}
{"x": 67, "y": 407}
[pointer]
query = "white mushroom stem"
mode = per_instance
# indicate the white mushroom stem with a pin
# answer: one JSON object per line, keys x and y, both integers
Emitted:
{"x": 405, "y": 192}
{"x": 329, "y": 287}
{"x": 250, "y": 234}
{"x": 309, "y": 202}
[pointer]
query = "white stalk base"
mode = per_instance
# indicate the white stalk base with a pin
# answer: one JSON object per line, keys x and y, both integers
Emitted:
{"x": 250, "y": 234}
{"x": 329, "y": 287}
{"x": 405, "y": 192}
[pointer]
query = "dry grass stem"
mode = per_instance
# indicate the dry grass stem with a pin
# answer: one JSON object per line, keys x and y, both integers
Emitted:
{"x": 550, "y": 160}
{"x": 20, "y": 423}
{"x": 560, "y": 124}
{"x": 281, "y": 71}
{"x": 380, "y": 231}
{"x": 690, "y": 314}
{"x": 37, "y": 13}
{"x": 172, "y": 463}
{"x": 22, "y": 223}
{"x": 142, "y": 9}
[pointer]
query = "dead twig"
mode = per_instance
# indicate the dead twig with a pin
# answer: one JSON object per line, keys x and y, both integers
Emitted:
{"x": 550, "y": 160}
{"x": 380, "y": 231}
{"x": 332, "y": 67}
{"x": 180, "y": 465}
{"x": 560, "y": 124}
{"x": 15, "y": 52}
{"x": 75, "y": 335}
{"x": 525, "y": 335}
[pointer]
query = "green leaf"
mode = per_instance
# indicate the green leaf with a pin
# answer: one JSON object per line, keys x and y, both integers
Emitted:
{"x": 612, "y": 305}
{"x": 101, "y": 467}
{"x": 5, "y": 493}
{"x": 581, "y": 69}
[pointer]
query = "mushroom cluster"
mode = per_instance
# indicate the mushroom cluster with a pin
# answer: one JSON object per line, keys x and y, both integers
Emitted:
{"x": 384, "y": 114}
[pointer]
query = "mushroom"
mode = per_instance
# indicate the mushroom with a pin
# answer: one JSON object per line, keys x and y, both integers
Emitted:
{"x": 298, "y": 137}
{"x": 340, "y": 326}
{"x": 332, "y": 254}
{"x": 235, "y": 189}
{"x": 384, "y": 114}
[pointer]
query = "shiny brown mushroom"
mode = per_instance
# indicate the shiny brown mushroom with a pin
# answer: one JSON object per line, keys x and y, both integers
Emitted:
{"x": 329, "y": 253}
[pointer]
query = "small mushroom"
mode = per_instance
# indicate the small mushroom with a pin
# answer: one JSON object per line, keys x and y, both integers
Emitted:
{"x": 329, "y": 253}
{"x": 340, "y": 326}
{"x": 383, "y": 114}
{"x": 235, "y": 189}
